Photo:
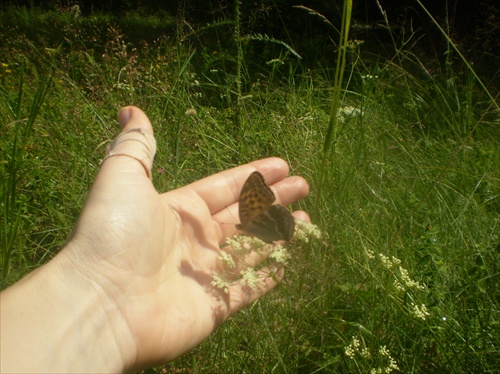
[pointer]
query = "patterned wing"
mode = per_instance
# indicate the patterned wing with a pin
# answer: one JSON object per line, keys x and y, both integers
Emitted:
{"x": 255, "y": 198}
{"x": 275, "y": 223}
{"x": 258, "y": 217}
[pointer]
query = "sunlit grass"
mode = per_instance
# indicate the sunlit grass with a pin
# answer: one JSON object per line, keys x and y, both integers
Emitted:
{"x": 405, "y": 276}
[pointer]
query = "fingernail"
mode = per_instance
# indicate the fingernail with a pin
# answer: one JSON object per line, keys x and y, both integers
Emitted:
{"x": 124, "y": 115}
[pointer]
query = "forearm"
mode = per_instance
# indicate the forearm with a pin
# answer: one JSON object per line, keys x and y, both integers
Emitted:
{"x": 55, "y": 320}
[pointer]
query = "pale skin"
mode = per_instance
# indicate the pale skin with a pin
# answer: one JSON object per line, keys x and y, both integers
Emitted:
{"x": 132, "y": 286}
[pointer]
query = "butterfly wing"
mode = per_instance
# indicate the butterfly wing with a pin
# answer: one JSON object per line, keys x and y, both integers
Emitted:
{"x": 258, "y": 216}
{"x": 275, "y": 223}
{"x": 255, "y": 198}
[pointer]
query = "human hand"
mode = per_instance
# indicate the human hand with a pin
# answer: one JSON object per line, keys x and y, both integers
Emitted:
{"x": 152, "y": 254}
{"x": 132, "y": 287}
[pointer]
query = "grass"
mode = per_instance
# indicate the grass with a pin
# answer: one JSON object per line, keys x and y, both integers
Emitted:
{"x": 407, "y": 272}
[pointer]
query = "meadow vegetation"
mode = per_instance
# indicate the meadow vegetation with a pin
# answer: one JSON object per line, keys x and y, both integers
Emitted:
{"x": 404, "y": 178}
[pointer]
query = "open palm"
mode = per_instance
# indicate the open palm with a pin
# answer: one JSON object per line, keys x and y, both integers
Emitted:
{"x": 154, "y": 254}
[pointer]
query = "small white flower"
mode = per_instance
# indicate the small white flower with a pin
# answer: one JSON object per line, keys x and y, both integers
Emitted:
{"x": 365, "y": 352}
{"x": 409, "y": 283}
{"x": 420, "y": 312}
{"x": 369, "y": 253}
{"x": 347, "y": 112}
{"x": 236, "y": 244}
{"x": 399, "y": 286}
{"x": 386, "y": 262}
{"x": 355, "y": 342}
{"x": 350, "y": 110}
{"x": 384, "y": 351}
{"x": 352, "y": 348}
{"x": 243, "y": 244}
{"x": 396, "y": 261}
{"x": 392, "y": 365}
{"x": 227, "y": 260}
{"x": 220, "y": 282}
{"x": 280, "y": 254}
{"x": 349, "y": 352}
{"x": 306, "y": 230}
{"x": 250, "y": 278}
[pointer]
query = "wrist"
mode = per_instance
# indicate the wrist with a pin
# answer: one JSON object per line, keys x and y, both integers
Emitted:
{"x": 58, "y": 319}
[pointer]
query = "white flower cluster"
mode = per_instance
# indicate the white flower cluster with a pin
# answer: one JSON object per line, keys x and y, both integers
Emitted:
{"x": 387, "y": 262}
{"x": 354, "y": 348}
{"x": 420, "y": 312}
{"x": 347, "y": 112}
{"x": 306, "y": 230}
{"x": 241, "y": 246}
{"x": 407, "y": 282}
{"x": 391, "y": 362}
{"x": 227, "y": 260}
{"x": 403, "y": 280}
{"x": 280, "y": 254}
{"x": 220, "y": 282}
{"x": 370, "y": 254}
{"x": 249, "y": 278}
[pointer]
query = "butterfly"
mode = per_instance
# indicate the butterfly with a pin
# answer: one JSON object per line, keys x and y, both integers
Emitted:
{"x": 258, "y": 217}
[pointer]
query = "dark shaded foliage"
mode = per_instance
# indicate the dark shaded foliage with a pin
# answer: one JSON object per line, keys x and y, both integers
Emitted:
{"x": 473, "y": 25}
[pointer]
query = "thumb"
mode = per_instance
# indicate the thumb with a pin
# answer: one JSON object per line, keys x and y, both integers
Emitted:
{"x": 122, "y": 185}
{"x": 134, "y": 148}
{"x": 132, "y": 117}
